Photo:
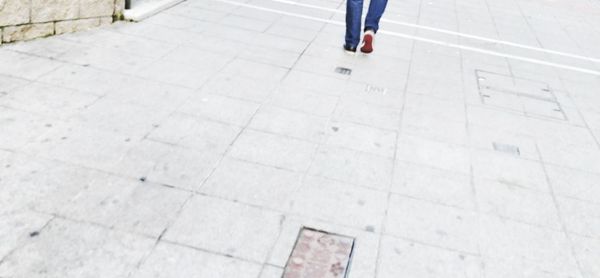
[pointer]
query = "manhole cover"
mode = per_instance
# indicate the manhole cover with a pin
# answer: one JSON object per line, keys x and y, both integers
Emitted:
{"x": 527, "y": 97}
{"x": 319, "y": 254}
{"x": 344, "y": 71}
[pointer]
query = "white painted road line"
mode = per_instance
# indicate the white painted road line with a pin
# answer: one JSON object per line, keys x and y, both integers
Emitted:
{"x": 416, "y": 38}
{"x": 444, "y": 31}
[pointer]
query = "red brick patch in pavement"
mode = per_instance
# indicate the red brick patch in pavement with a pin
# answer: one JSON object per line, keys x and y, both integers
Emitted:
{"x": 318, "y": 254}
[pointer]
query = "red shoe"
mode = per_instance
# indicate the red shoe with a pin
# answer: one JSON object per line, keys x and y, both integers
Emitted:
{"x": 367, "y": 43}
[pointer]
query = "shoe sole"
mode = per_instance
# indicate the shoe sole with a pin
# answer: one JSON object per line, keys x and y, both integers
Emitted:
{"x": 367, "y": 44}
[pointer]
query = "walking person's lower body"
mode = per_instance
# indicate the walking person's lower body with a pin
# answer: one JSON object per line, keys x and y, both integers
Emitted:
{"x": 354, "y": 10}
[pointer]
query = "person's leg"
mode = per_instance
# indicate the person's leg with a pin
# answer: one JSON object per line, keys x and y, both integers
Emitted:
{"x": 353, "y": 23}
{"x": 376, "y": 9}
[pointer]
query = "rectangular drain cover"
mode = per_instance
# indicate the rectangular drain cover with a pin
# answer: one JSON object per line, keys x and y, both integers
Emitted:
{"x": 510, "y": 149}
{"x": 530, "y": 98}
{"x": 319, "y": 254}
{"x": 344, "y": 71}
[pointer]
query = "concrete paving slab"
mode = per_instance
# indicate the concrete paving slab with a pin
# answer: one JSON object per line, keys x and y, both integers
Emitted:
{"x": 171, "y": 260}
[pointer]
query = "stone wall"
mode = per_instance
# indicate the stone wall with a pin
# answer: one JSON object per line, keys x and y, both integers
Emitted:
{"x": 29, "y": 19}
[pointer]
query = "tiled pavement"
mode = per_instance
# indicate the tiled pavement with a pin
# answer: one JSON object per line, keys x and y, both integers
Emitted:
{"x": 198, "y": 142}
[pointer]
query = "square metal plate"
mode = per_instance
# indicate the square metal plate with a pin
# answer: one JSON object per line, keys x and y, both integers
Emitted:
{"x": 318, "y": 254}
{"x": 530, "y": 98}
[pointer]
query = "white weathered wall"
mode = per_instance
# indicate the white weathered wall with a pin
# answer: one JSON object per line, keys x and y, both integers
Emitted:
{"x": 29, "y": 19}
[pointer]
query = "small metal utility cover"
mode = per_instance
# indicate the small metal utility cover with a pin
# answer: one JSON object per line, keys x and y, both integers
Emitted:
{"x": 505, "y": 148}
{"x": 344, "y": 71}
{"x": 319, "y": 254}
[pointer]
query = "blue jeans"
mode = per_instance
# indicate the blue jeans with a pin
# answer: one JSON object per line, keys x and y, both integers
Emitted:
{"x": 354, "y": 16}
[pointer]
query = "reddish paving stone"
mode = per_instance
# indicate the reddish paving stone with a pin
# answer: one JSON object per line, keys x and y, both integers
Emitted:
{"x": 319, "y": 254}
